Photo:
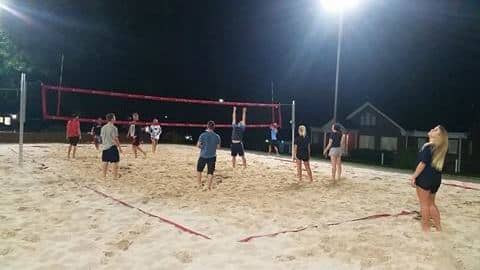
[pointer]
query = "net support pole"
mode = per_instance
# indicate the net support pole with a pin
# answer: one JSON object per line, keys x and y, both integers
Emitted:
{"x": 23, "y": 103}
{"x": 293, "y": 127}
{"x": 60, "y": 81}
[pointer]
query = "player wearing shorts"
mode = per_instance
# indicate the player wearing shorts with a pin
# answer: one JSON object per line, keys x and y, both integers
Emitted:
{"x": 155, "y": 131}
{"x": 208, "y": 142}
{"x": 237, "y": 137}
{"x": 110, "y": 146}
{"x": 302, "y": 152}
{"x": 335, "y": 149}
{"x": 95, "y": 132}
{"x": 428, "y": 175}
{"x": 73, "y": 134}
{"x": 135, "y": 133}
{"x": 273, "y": 139}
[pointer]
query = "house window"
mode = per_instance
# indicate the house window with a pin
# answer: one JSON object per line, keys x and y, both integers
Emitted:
{"x": 421, "y": 142}
{"x": 7, "y": 121}
{"x": 453, "y": 146}
{"x": 368, "y": 119}
{"x": 388, "y": 143}
{"x": 366, "y": 142}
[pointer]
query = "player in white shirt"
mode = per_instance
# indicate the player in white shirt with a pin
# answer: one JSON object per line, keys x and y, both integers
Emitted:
{"x": 155, "y": 131}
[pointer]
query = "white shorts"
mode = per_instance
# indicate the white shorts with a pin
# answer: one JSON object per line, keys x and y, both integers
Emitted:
{"x": 335, "y": 152}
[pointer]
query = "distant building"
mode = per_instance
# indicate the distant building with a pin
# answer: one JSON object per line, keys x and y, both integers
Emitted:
{"x": 368, "y": 128}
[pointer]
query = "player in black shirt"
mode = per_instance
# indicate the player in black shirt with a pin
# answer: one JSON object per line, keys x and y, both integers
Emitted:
{"x": 335, "y": 150}
{"x": 95, "y": 132}
{"x": 301, "y": 152}
{"x": 135, "y": 132}
{"x": 428, "y": 175}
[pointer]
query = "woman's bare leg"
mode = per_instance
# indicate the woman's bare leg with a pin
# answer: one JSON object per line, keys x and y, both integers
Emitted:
{"x": 333, "y": 159}
{"x": 299, "y": 169}
{"x": 309, "y": 171}
{"x": 134, "y": 150}
{"x": 104, "y": 169}
{"x": 339, "y": 167}
{"x": 434, "y": 213}
{"x": 69, "y": 150}
{"x": 115, "y": 170}
{"x": 424, "y": 198}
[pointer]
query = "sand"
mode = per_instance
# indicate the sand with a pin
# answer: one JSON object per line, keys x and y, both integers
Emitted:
{"x": 50, "y": 219}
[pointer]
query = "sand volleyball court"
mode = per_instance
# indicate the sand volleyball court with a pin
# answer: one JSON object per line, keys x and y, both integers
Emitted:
{"x": 60, "y": 214}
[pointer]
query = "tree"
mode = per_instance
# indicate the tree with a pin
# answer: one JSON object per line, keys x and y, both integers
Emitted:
{"x": 12, "y": 61}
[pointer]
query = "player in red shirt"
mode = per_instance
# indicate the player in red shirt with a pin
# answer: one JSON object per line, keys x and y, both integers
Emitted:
{"x": 73, "y": 134}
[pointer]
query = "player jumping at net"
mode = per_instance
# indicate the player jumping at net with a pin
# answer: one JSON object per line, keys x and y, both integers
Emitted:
{"x": 135, "y": 133}
{"x": 301, "y": 151}
{"x": 110, "y": 146}
{"x": 273, "y": 139}
{"x": 73, "y": 134}
{"x": 95, "y": 132}
{"x": 155, "y": 131}
{"x": 237, "y": 137}
{"x": 208, "y": 142}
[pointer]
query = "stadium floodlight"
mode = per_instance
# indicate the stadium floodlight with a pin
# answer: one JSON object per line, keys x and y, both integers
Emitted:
{"x": 339, "y": 6}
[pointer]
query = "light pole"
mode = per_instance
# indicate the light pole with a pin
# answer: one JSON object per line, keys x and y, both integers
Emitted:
{"x": 338, "y": 7}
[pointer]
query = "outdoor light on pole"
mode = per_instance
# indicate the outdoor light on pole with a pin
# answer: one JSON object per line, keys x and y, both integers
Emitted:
{"x": 338, "y": 7}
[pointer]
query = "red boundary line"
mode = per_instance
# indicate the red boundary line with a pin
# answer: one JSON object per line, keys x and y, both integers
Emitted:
{"x": 178, "y": 226}
{"x": 403, "y": 213}
{"x": 460, "y": 186}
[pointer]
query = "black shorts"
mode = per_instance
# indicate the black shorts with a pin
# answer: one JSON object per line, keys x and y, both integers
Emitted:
{"x": 428, "y": 184}
{"x": 237, "y": 149}
{"x": 303, "y": 157}
{"x": 274, "y": 143}
{"x": 111, "y": 155}
{"x": 210, "y": 162}
{"x": 97, "y": 139}
{"x": 136, "y": 141}
{"x": 73, "y": 140}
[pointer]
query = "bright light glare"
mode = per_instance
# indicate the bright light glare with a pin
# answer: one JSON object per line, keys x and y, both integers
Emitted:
{"x": 220, "y": 100}
{"x": 7, "y": 121}
{"x": 4, "y": 6}
{"x": 14, "y": 116}
{"x": 338, "y": 6}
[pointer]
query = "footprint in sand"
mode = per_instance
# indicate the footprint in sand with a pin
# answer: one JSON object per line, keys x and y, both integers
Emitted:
{"x": 183, "y": 256}
{"x": 285, "y": 258}
{"x": 6, "y": 251}
{"x": 31, "y": 238}
{"x": 7, "y": 234}
{"x": 123, "y": 244}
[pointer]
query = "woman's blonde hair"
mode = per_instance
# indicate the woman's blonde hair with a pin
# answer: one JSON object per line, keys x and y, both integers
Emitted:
{"x": 439, "y": 148}
{"x": 302, "y": 130}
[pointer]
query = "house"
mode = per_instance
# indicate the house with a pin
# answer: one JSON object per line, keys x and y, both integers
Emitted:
{"x": 368, "y": 128}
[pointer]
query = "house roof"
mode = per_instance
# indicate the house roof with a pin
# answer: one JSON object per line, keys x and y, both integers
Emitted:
{"x": 451, "y": 135}
{"x": 327, "y": 127}
{"x": 368, "y": 104}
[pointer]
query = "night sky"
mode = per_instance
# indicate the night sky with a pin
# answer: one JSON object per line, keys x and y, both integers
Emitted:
{"x": 418, "y": 61}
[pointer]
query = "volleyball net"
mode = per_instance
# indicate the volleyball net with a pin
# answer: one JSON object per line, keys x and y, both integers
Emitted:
{"x": 197, "y": 111}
